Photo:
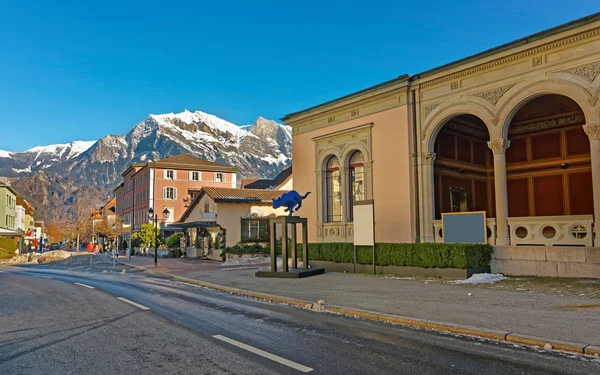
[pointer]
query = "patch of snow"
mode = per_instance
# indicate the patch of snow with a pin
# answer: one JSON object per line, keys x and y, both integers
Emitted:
{"x": 5, "y": 154}
{"x": 212, "y": 121}
{"x": 248, "y": 260}
{"x": 281, "y": 159}
{"x": 482, "y": 278}
{"x": 26, "y": 170}
{"x": 74, "y": 148}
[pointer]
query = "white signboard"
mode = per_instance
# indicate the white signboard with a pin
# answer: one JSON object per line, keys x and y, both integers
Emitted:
{"x": 363, "y": 223}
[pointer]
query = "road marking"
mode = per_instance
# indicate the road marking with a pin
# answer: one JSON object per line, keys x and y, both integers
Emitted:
{"x": 45, "y": 277}
{"x": 264, "y": 354}
{"x": 87, "y": 286}
{"x": 133, "y": 303}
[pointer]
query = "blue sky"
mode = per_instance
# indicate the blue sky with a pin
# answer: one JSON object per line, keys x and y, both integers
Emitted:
{"x": 78, "y": 70}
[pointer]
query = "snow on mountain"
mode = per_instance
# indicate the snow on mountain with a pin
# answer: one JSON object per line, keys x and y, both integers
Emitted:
{"x": 67, "y": 150}
{"x": 5, "y": 154}
{"x": 261, "y": 149}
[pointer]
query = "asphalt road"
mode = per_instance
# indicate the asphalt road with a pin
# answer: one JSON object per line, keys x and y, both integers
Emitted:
{"x": 49, "y": 324}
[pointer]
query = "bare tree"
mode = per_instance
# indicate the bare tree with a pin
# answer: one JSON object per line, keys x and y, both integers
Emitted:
{"x": 81, "y": 222}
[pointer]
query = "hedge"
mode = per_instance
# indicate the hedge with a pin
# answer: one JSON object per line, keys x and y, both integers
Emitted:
{"x": 8, "y": 244}
{"x": 426, "y": 255}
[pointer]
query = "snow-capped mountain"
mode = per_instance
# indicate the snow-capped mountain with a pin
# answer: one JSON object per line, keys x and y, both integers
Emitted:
{"x": 261, "y": 149}
{"x": 16, "y": 164}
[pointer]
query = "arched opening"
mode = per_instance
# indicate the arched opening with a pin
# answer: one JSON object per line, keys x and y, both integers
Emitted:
{"x": 356, "y": 179}
{"x": 333, "y": 189}
{"x": 463, "y": 169}
{"x": 548, "y": 166}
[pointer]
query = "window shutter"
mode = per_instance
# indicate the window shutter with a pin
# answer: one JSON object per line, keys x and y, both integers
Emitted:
{"x": 174, "y": 174}
{"x": 165, "y": 174}
{"x": 164, "y": 193}
{"x": 174, "y": 193}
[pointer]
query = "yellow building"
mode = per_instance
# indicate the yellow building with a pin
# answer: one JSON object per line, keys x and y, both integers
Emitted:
{"x": 513, "y": 131}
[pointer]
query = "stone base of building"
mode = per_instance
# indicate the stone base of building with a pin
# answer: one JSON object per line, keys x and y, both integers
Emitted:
{"x": 546, "y": 261}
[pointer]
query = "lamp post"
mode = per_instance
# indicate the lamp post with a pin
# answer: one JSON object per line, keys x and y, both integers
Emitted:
{"x": 154, "y": 217}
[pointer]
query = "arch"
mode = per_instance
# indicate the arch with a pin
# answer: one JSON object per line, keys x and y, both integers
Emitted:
{"x": 540, "y": 88}
{"x": 325, "y": 155}
{"x": 440, "y": 116}
{"x": 349, "y": 149}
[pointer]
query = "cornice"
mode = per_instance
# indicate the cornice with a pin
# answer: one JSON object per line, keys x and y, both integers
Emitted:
{"x": 510, "y": 58}
{"x": 347, "y": 107}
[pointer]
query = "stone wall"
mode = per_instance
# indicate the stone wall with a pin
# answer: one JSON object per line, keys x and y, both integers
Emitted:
{"x": 546, "y": 261}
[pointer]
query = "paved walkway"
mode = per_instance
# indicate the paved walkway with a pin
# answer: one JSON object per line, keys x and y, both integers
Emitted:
{"x": 530, "y": 312}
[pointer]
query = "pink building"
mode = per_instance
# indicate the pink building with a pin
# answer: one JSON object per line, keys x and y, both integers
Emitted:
{"x": 169, "y": 183}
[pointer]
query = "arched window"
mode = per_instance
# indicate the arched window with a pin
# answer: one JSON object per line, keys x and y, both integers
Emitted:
{"x": 356, "y": 173}
{"x": 334, "y": 191}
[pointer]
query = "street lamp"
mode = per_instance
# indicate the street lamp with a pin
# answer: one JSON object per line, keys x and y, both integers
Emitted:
{"x": 154, "y": 217}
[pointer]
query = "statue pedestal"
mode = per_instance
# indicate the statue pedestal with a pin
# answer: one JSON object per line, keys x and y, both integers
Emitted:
{"x": 293, "y": 271}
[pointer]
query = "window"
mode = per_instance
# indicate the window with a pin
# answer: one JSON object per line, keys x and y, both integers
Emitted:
{"x": 334, "y": 191}
{"x": 194, "y": 176}
{"x": 356, "y": 172}
{"x": 169, "y": 174}
{"x": 169, "y": 193}
{"x": 219, "y": 177}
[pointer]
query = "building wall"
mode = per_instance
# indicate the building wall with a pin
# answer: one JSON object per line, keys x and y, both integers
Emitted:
{"x": 228, "y": 215}
{"x": 390, "y": 145}
{"x": 20, "y": 218}
{"x": 7, "y": 209}
{"x": 182, "y": 183}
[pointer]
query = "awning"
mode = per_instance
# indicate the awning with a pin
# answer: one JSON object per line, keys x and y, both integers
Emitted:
{"x": 10, "y": 233}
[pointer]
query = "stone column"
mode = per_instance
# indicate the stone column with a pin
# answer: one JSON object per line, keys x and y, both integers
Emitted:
{"x": 499, "y": 147}
{"x": 593, "y": 132}
{"x": 428, "y": 196}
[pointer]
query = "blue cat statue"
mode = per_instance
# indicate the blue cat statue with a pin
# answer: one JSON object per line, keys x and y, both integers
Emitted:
{"x": 292, "y": 201}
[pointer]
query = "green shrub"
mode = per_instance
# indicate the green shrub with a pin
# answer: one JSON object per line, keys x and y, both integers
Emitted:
{"x": 426, "y": 255}
{"x": 173, "y": 241}
{"x": 8, "y": 244}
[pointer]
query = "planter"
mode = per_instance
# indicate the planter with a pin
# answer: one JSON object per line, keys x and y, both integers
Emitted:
{"x": 401, "y": 271}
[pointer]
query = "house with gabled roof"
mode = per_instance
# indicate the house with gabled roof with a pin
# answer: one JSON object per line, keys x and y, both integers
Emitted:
{"x": 220, "y": 217}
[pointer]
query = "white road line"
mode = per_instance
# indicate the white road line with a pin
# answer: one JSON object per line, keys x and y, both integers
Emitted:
{"x": 133, "y": 303}
{"x": 87, "y": 286}
{"x": 264, "y": 354}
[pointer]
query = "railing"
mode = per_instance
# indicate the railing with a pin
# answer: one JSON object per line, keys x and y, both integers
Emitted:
{"x": 551, "y": 230}
{"x": 491, "y": 231}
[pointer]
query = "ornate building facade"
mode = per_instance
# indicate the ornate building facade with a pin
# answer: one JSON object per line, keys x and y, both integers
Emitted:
{"x": 513, "y": 131}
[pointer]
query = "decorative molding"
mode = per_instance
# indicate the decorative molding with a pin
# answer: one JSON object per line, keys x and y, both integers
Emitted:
{"x": 319, "y": 119}
{"x": 592, "y": 131}
{"x": 537, "y": 60}
{"x": 495, "y": 121}
{"x": 516, "y": 56}
{"x": 428, "y": 158}
{"x": 547, "y": 124}
{"x": 428, "y": 110}
{"x": 354, "y": 112}
{"x": 593, "y": 100}
{"x": 586, "y": 72}
{"x": 493, "y": 96}
{"x": 454, "y": 85}
{"x": 499, "y": 146}
{"x": 330, "y": 119}
{"x": 465, "y": 129}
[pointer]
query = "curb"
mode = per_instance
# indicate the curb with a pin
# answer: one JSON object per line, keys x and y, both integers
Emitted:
{"x": 489, "y": 334}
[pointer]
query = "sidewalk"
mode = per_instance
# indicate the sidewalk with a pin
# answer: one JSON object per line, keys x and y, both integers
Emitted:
{"x": 566, "y": 318}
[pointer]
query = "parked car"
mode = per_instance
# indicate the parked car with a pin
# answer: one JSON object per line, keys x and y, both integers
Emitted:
{"x": 54, "y": 246}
